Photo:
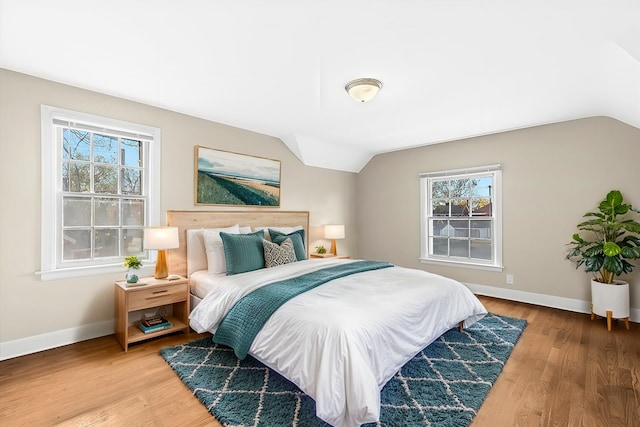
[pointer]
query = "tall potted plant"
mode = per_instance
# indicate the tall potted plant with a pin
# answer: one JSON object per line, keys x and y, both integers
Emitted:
{"x": 611, "y": 241}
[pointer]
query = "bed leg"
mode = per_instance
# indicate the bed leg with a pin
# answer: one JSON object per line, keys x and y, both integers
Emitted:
{"x": 461, "y": 325}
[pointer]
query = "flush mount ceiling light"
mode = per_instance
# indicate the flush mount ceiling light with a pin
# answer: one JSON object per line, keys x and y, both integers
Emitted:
{"x": 363, "y": 90}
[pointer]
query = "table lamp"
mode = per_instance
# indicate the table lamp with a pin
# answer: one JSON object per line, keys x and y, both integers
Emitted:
{"x": 333, "y": 232}
{"x": 161, "y": 238}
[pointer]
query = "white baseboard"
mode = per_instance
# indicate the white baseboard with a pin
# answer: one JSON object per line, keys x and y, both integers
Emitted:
{"x": 20, "y": 347}
{"x": 34, "y": 344}
{"x": 562, "y": 303}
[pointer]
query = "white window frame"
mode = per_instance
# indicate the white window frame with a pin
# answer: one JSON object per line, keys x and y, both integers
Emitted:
{"x": 52, "y": 186}
{"x": 495, "y": 264}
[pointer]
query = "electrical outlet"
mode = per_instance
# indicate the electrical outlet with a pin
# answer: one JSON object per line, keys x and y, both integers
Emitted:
{"x": 509, "y": 279}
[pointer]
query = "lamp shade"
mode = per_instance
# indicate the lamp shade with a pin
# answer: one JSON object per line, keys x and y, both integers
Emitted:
{"x": 161, "y": 238}
{"x": 363, "y": 90}
{"x": 334, "y": 231}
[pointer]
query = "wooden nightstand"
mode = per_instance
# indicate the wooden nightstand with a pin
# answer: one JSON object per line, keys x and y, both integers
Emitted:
{"x": 156, "y": 293}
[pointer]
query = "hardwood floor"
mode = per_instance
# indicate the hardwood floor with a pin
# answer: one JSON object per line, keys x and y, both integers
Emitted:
{"x": 566, "y": 370}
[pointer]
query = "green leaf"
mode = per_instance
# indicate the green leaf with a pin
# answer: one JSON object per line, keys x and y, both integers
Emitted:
{"x": 630, "y": 252}
{"x": 631, "y": 240}
{"x": 591, "y": 222}
{"x": 614, "y": 265}
{"x": 631, "y": 226}
{"x": 610, "y": 249}
{"x": 627, "y": 267}
{"x": 596, "y": 214}
{"x": 614, "y": 198}
{"x": 622, "y": 209}
{"x": 572, "y": 253}
{"x": 593, "y": 264}
{"x": 594, "y": 250}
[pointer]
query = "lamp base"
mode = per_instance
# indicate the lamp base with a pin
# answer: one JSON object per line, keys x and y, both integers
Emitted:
{"x": 161, "y": 272}
{"x": 333, "y": 250}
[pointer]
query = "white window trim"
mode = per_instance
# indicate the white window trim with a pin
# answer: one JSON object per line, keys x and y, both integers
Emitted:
{"x": 50, "y": 213}
{"x": 496, "y": 264}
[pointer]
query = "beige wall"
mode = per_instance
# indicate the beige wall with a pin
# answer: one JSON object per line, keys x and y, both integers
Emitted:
{"x": 29, "y": 306}
{"x": 552, "y": 175}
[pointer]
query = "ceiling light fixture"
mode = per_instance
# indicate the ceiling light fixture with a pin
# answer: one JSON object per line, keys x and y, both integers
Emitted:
{"x": 363, "y": 90}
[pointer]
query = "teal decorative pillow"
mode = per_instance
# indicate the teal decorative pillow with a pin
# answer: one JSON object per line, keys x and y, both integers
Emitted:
{"x": 278, "y": 254}
{"x": 243, "y": 252}
{"x": 297, "y": 238}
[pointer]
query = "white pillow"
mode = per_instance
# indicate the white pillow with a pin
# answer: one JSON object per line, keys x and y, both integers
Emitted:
{"x": 215, "y": 251}
{"x": 284, "y": 230}
{"x": 245, "y": 230}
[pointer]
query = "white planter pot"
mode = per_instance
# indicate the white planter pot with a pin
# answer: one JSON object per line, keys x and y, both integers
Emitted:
{"x": 613, "y": 297}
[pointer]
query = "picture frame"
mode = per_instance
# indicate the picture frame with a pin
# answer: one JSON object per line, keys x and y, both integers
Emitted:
{"x": 234, "y": 179}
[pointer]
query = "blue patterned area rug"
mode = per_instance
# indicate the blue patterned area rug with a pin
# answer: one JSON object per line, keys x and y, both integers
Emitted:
{"x": 444, "y": 385}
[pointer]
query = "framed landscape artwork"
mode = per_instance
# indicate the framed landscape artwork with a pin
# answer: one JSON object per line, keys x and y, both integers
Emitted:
{"x": 226, "y": 178}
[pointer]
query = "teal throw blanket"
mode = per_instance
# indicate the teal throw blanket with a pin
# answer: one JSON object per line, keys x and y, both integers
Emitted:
{"x": 245, "y": 319}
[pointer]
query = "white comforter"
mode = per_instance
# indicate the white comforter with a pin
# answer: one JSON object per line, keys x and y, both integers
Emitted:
{"x": 342, "y": 341}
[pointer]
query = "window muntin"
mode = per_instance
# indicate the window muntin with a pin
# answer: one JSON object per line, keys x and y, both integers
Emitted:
{"x": 460, "y": 214}
{"x": 100, "y": 189}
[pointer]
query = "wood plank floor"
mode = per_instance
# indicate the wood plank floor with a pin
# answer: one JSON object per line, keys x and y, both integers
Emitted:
{"x": 566, "y": 370}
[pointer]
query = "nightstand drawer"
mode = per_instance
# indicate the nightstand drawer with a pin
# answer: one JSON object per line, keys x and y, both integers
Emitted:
{"x": 157, "y": 295}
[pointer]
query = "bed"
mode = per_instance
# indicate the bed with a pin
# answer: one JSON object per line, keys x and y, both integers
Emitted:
{"x": 339, "y": 342}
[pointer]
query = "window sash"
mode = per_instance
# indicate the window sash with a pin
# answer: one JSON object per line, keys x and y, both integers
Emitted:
{"x": 94, "y": 128}
{"x": 98, "y": 244}
{"x": 461, "y": 172}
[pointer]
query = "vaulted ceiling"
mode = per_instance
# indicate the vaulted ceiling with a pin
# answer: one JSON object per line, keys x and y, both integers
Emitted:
{"x": 451, "y": 69}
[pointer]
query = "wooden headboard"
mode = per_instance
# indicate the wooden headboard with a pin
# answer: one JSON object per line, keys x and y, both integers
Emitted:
{"x": 184, "y": 220}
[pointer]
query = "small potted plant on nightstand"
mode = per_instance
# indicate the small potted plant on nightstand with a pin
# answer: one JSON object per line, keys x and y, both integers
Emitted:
{"x": 611, "y": 241}
{"x": 133, "y": 264}
{"x": 321, "y": 252}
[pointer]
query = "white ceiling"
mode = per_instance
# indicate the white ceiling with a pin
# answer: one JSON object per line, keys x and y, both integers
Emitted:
{"x": 451, "y": 68}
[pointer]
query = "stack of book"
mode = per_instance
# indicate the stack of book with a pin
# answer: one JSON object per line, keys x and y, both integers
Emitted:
{"x": 154, "y": 324}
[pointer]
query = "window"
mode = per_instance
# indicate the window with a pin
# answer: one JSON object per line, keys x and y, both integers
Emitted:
{"x": 460, "y": 211}
{"x": 99, "y": 191}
